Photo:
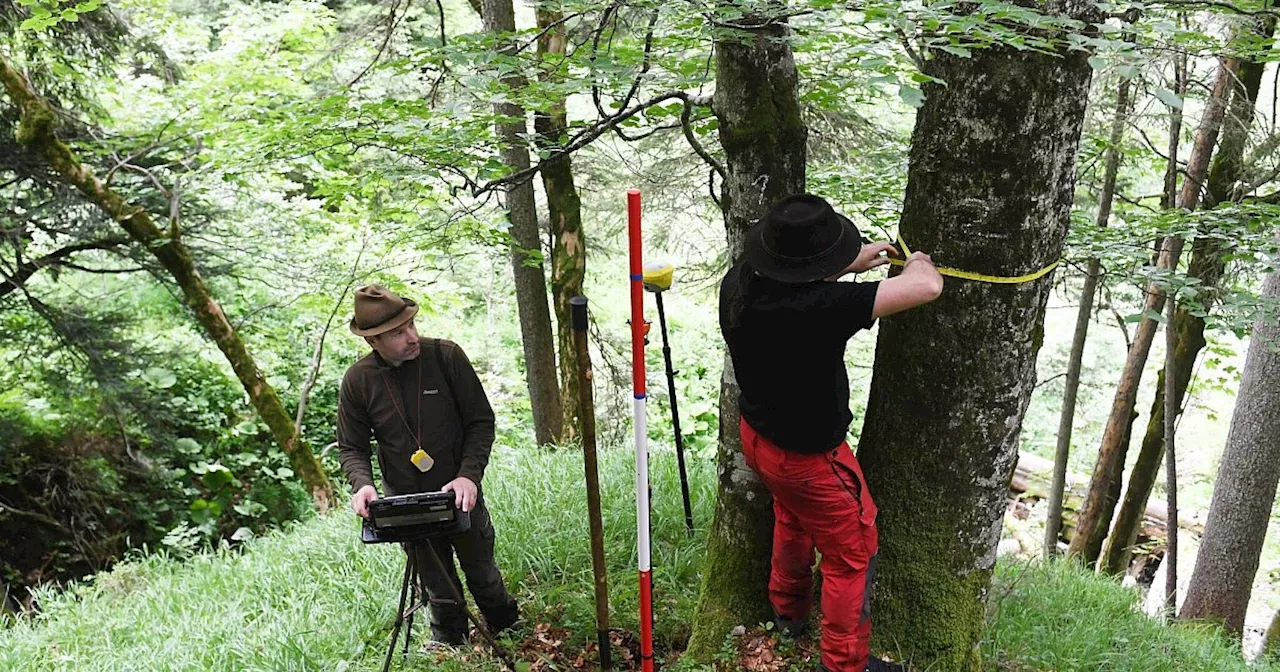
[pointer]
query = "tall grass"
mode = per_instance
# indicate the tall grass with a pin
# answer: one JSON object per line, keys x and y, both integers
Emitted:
{"x": 1058, "y": 616}
{"x": 312, "y": 597}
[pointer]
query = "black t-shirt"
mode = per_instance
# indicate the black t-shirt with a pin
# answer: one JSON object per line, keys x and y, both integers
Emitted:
{"x": 787, "y": 348}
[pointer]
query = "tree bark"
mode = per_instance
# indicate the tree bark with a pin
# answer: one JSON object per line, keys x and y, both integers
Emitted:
{"x": 564, "y": 208}
{"x": 1208, "y": 263}
{"x": 1246, "y": 487}
{"x": 989, "y": 189}
{"x": 526, "y": 247}
{"x": 1104, "y": 485}
{"x": 36, "y": 131}
{"x": 1171, "y": 460}
{"x": 757, "y": 105}
{"x": 1053, "y": 525}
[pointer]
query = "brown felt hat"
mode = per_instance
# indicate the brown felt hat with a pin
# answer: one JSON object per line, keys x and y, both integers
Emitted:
{"x": 379, "y": 310}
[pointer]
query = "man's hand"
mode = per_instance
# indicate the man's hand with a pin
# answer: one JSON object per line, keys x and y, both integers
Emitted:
{"x": 360, "y": 500}
{"x": 465, "y": 492}
{"x": 868, "y": 258}
{"x": 917, "y": 284}
{"x": 918, "y": 256}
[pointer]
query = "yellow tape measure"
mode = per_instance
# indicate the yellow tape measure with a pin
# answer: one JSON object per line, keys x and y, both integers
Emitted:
{"x": 979, "y": 277}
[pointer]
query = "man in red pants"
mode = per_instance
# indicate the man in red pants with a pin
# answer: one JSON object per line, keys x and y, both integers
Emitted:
{"x": 786, "y": 322}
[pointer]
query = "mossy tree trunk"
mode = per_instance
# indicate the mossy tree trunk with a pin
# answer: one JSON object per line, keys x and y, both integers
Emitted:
{"x": 526, "y": 246}
{"x": 758, "y": 109}
{"x": 37, "y": 132}
{"x": 1245, "y": 489}
{"x": 989, "y": 189}
{"x": 564, "y": 209}
{"x": 1105, "y": 480}
{"x": 1208, "y": 263}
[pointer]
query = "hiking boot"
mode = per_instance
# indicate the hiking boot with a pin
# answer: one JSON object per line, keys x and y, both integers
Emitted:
{"x": 793, "y": 628}
{"x": 502, "y": 619}
{"x": 877, "y": 665}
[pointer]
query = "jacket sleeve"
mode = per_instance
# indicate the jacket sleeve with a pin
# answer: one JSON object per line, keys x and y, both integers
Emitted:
{"x": 477, "y": 416}
{"x": 354, "y": 434}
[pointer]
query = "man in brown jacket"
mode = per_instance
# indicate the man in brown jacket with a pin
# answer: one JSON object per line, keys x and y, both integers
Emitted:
{"x": 422, "y": 401}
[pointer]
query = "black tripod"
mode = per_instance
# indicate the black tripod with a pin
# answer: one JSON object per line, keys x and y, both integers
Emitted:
{"x": 413, "y": 575}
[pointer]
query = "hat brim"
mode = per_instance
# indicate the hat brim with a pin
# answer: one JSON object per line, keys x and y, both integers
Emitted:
{"x": 835, "y": 259}
{"x": 410, "y": 309}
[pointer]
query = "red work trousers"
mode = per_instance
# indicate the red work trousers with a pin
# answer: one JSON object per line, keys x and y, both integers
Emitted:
{"x": 821, "y": 500}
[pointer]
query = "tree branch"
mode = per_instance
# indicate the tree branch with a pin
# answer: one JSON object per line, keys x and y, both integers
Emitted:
{"x": 57, "y": 258}
{"x": 693, "y": 140}
{"x": 582, "y": 139}
{"x": 31, "y": 515}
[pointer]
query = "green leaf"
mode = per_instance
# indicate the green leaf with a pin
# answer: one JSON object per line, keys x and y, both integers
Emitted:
{"x": 911, "y": 95}
{"x": 1169, "y": 98}
{"x": 161, "y": 378}
{"x": 216, "y": 477}
{"x": 1097, "y": 62}
{"x": 188, "y": 446}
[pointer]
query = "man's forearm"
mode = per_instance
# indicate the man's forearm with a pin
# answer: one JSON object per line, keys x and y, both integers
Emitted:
{"x": 477, "y": 444}
{"x": 357, "y": 466}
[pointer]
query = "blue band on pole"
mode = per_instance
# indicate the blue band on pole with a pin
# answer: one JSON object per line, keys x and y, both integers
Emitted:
{"x": 640, "y": 396}
{"x": 637, "y": 276}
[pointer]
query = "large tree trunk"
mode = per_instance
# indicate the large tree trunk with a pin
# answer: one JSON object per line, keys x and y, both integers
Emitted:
{"x": 1208, "y": 262}
{"x": 36, "y": 131}
{"x": 1104, "y": 484}
{"x": 989, "y": 189}
{"x": 758, "y": 108}
{"x": 1246, "y": 487}
{"x": 526, "y": 247}
{"x": 564, "y": 208}
{"x": 1053, "y": 525}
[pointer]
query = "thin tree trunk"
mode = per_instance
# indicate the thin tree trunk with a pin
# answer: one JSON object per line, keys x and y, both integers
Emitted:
{"x": 1208, "y": 263}
{"x": 758, "y": 108}
{"x": 1171, "y": 459}
{"x": 564, "y": 208}
{"x": 952, "y": 380}
{"x": 36, "y": 131}
{"x": 1063, "y": 453}
{"x": 1169, "y": 198}
{"x": 1245, "y": 491}
{"x": 526, "y": 247}
{"x": 1104, "y": 485}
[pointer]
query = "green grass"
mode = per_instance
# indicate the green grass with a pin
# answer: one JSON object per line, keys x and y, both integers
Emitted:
{"x": 314, "y": 598}
{"x": 1057, "y": 616}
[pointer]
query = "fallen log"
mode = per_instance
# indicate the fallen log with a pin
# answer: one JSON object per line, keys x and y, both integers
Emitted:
{"x": 1033, "y": 476}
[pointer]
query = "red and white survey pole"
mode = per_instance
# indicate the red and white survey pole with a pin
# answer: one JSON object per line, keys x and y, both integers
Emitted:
{"x": 642, "y": 447}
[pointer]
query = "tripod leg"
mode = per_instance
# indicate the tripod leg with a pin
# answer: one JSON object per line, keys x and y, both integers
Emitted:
{"x": 675, "y": 416}
{"x": 462, "y": 602}
{"x": 395, "y": 629}
{"x": 415, "y": 592}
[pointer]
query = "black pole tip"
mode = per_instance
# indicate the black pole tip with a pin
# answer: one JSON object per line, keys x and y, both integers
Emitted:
{"x": 578, "y": 308}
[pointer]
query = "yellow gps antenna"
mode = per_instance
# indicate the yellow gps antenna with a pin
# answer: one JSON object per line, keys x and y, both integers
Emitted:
{"x": 658, "y": 277}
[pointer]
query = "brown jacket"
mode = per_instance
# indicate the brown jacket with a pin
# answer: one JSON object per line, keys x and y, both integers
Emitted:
{"x": 447, "y": 410}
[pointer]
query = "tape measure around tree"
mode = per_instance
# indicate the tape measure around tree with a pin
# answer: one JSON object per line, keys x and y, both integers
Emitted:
{"x": 978, "y": 277}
